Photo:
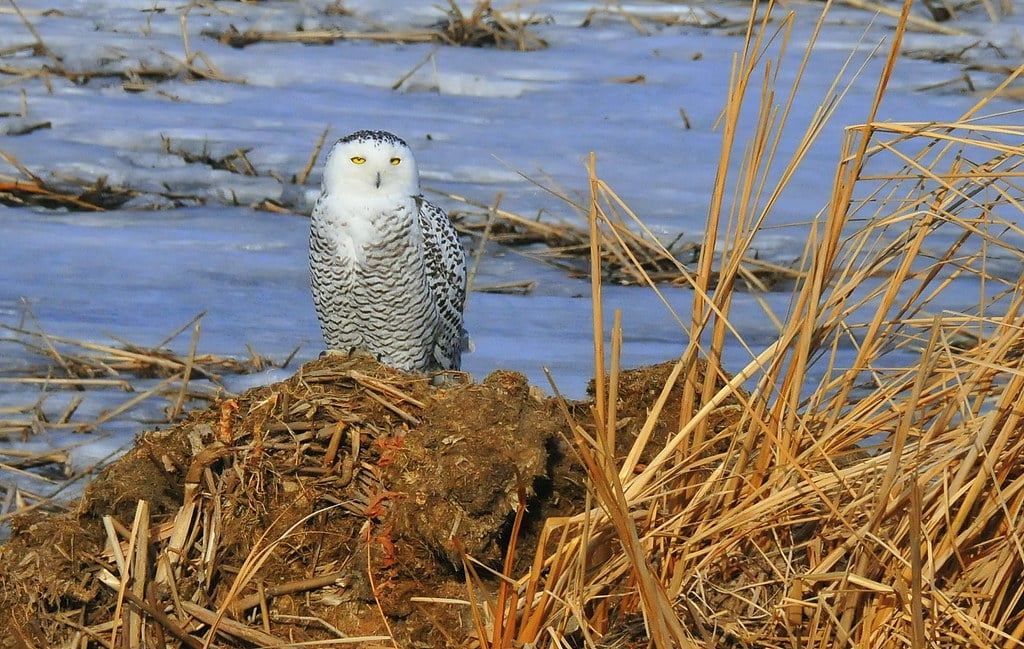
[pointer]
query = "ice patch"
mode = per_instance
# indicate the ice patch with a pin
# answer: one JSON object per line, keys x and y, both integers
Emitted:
{"x": 469, "y": 85}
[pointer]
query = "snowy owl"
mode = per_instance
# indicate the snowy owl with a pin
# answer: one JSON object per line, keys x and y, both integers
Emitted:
{"x": 388, "y": 271}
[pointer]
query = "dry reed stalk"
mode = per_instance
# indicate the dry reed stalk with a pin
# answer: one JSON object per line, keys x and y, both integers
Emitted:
{"x": 478, "y": 255}
{"x": 133, "y": 79}
{"x": 238, "y": 39}
{"x": 496, "y": 625}
{"x": 524, "y": 287}
{"x": 33, "y": 191}
{"x": 314, "y": 154}
{"x": 179, "y": 403}
{"x": 534, "y": 229}
{"x": 193, "y": 58}
{"x": 918, "y": 22}
{"x": 40, "y": 44}
{"x": 16, "y": 470}
{"x": 636, "y": 19}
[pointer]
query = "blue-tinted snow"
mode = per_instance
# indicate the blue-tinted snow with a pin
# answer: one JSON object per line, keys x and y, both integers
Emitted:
{"x": 477, "y": 118}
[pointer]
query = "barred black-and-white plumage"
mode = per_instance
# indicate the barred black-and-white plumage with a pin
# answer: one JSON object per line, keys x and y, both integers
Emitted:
{"x": 388, "y": 271}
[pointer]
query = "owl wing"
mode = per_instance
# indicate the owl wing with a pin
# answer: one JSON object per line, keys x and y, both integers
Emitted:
{"x": 446, "y": 274}
{"x": 331, "y": 277}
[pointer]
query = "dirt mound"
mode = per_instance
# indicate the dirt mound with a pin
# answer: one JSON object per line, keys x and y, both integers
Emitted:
{"x": 338, "y": 503}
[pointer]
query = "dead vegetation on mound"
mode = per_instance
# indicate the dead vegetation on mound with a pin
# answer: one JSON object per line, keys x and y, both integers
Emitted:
{"x": 338, "y": 505}
{"x": 311, "y": 502}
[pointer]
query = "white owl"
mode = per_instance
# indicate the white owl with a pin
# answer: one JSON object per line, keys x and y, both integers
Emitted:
{"x": 388, "y": 271}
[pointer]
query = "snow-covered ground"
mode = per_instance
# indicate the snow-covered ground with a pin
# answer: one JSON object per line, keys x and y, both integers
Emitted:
{"x": 130, "y": 92}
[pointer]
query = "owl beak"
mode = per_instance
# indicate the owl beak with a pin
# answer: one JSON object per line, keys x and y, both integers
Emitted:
{"x": 377, "y": 184}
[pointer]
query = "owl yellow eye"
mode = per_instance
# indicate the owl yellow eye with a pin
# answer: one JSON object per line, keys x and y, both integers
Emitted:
{"x": 395, "y": 161}
{"x": 357, "y": 159}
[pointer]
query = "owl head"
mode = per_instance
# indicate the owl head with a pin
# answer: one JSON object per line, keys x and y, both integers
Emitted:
{"x": 371, "y": 162}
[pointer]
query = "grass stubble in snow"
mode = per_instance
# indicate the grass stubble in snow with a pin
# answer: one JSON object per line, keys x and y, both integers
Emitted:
{"x": 878, "y": 508}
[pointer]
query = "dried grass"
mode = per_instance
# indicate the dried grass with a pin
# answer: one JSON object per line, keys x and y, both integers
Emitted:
{"x": 31, "y": 190}
{"x": 483, "y": 26}
{"x": 89, "y": 370}
{"x": 878, "y": 508}
{"x": 96, "y": 195}
{"x": 630, "y": 253}
{"x": 304, "y": 511}
{"x": 194, "y": 65}
{"x": 639, "y": 20}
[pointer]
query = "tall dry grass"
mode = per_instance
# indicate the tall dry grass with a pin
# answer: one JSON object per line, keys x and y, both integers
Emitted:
{"x": 883, "y": 505}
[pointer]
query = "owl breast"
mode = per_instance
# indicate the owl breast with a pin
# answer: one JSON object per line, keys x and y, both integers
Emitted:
{"x": 373, "y": 290}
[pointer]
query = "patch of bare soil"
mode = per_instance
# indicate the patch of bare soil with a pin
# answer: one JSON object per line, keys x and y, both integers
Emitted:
{"x": 338, "y": 503}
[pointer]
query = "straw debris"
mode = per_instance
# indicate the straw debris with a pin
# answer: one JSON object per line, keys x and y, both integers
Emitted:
{"x": 329, "y": 507}
{"x": 28, "y": 189}
{"x": 235, "y": 162}
{"x": 631, "y": 255}
{"x": 481, "y": 27}
{"x": 485, "y": 26}
{"x": 640, "y": 19}
{"x": 80, "y": 387}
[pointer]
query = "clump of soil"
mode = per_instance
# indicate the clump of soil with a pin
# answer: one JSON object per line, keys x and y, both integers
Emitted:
{"x": 343, "y": 500}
